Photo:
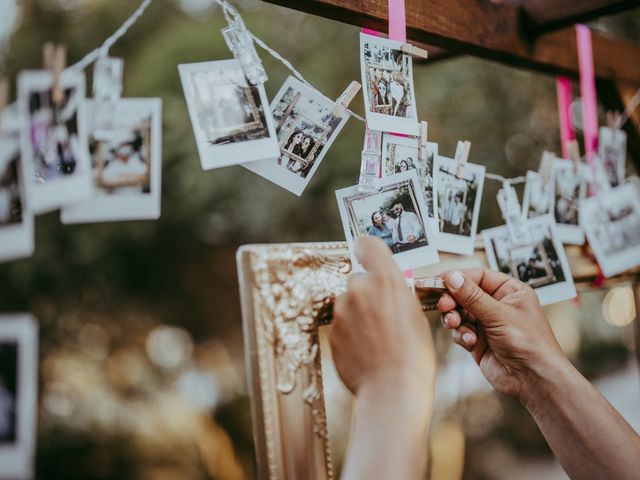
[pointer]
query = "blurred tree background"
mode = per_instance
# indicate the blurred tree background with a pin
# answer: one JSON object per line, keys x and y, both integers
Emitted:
{"x": 141, "y": 372}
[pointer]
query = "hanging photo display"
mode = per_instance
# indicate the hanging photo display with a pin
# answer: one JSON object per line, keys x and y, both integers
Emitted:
{"x": 570, "y": 187}
{"x": 612, "y": 146}
{"x": 457, "y": 200}
{"x": 18, "y": 394}
{"x": 387, "y": 79}
{"x": 230, "y": 118}
{"x": 538, "y": 195}
{"x": 541, "y": 263}
{"x": 400, "y": 154}
{"x": 611, "y": 221}
{"x": 126, "y": 162}
{"x": 16, "y": 219}
{"x": 53, "y": 139}
{"x": 306, "y": 127}
{"x": 396, "y": 214}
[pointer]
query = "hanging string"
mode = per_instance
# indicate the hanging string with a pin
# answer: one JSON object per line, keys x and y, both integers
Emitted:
{"x": 501, "y": 179}
{"x": 109, "y": 42}
{"x": 631, "y": 107}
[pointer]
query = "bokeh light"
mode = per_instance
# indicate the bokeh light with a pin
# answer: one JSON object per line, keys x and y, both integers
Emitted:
{"x": 619, "y": 308}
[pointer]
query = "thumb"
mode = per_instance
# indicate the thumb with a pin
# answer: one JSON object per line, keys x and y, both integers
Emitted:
{"x": 470, "y": 296}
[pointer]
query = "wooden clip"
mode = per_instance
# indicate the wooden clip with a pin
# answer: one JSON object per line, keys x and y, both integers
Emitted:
{"x": 345, "y": 99}
{"x": 414, "y": 51}
{"x": 546, "y": 166}
{"x": 574, "y": 154}
{"x": 422, "y": 143}
{"x": 4, "y": 96}
{"x": 55, "y": 60}
{"x": 462, "y": 155}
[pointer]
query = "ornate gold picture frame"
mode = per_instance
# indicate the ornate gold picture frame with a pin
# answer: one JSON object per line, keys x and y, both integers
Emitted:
{"x": 287, "y": 291}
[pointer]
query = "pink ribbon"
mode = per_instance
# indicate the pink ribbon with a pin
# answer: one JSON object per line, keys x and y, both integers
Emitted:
{"x": 397, "y": 21}
{"x": 564, "y": 93}
{"x": 588, "y": 93}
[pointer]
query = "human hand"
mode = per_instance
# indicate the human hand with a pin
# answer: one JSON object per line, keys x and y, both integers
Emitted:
{"x": 500, "y": 321}
{"x": 380, "y": 339}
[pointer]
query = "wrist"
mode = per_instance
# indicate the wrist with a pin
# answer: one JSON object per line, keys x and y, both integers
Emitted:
{"x": 547, "y": 375}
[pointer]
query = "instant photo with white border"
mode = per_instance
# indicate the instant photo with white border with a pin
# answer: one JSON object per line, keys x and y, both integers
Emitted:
{"x": 446, "y": 168}
{"x": 406, "y": 259}
{"x": 220, "y": 122}
{"x": 292, "y": 120}
{"x": 17, "y": 456}
{"x": 394, "y": 145}
{"x": 611, "y": 221}
{"x": 16, "y": 218}
{"x": 538, "y": 196}
{"x": 550, "y": 271}
{"x": 130, "y": 202}
{"x": 407, "y": 124}
{"x": 565, "y": 171}
{"x": 612, "y": 149}
{"x": 46, "y": 194}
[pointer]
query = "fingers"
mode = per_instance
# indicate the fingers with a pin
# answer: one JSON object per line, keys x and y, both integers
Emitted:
{"x": 466, "y": 292}
{"x": 496, "y": 284}
{"x": 375, "y": 256}
{"x": 465, "y": 336}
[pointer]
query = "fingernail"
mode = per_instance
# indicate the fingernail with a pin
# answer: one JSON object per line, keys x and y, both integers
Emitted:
{"x": 455, "y": 280}
{"x": 445, "y": 320}
{"x": 467, "y": 337}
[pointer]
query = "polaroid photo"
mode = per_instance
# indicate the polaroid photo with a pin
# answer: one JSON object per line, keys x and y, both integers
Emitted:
{"x": 611, "y": 221}
{"x": 613, "y": 150}
{"x": 400, "y": 154}
{"x": 230, "y": 118}
{"x": 306, "y": 128}
{"x": 16, "y": 219}
{"x": 569, "y": 188}
{"x": 387, "y": 79}
{"x": 18, "y": 395}
{"x": 542, "y": 264}
{"x": 457, "y": 201}
{"x": 126, "y": 163}
{"x": 53, "y": 139}
{"x": 538, "y": 196}
{"x": 396, "y": 214}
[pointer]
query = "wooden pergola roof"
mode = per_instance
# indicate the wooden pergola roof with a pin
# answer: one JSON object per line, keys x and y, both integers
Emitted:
{"x": 532, "y": 34}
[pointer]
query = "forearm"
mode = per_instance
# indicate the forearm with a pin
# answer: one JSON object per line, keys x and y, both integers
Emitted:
{"x": 389, "y": 434}
{"x": 588, "y": 436}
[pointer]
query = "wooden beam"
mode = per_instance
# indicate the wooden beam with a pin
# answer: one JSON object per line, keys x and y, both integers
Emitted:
{"x": 488, "y": 30}
{"x": 546, "y": 15}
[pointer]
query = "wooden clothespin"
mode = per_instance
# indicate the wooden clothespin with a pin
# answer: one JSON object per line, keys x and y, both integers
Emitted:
{"x": 462, "y": 155}
{"x": 422, "y": 145}
{"x": 55, "y": 60}
{"x": 546, "y": 166}
{"x": 343, "y": 101}
{"x": 4, "y": 96}
{"x": 573, "y": 149}
{"x": 414, "y": 51}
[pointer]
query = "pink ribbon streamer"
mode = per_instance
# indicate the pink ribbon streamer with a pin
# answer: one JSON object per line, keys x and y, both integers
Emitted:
{"x": 397, "y": 21}
{"x": 564, "y": 93}
{"x": 588, "y": 93}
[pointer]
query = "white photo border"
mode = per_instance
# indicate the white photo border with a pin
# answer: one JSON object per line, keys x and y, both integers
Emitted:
{"x": 17, "y": 240}
{"x": 62, "y": 191}
{"x": 279, "y": 174}
{"x": 535, "y": 177}
{"x": 217, "y": 156}
{"x": 17, "y": 461}
{"x": 411, "y": 259}
{"x": 128, "y": 207}
{"x": 380, "y": 121}
{"x": 547, "y": 294}
{"x": 448, "y": 242}
{"x": 570, "y": 234}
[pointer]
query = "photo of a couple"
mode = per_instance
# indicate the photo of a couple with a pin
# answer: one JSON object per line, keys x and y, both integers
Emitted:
{"x": 391, "y": 214}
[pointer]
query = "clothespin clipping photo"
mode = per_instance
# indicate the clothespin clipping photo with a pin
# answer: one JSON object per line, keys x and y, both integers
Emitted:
{"x": 462, "y": 155}
{"x": 422, "y": 145}
{"x": 414, "y": 51}
{"x": 343, "y": 101}
{"x": 55, "y": 60}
